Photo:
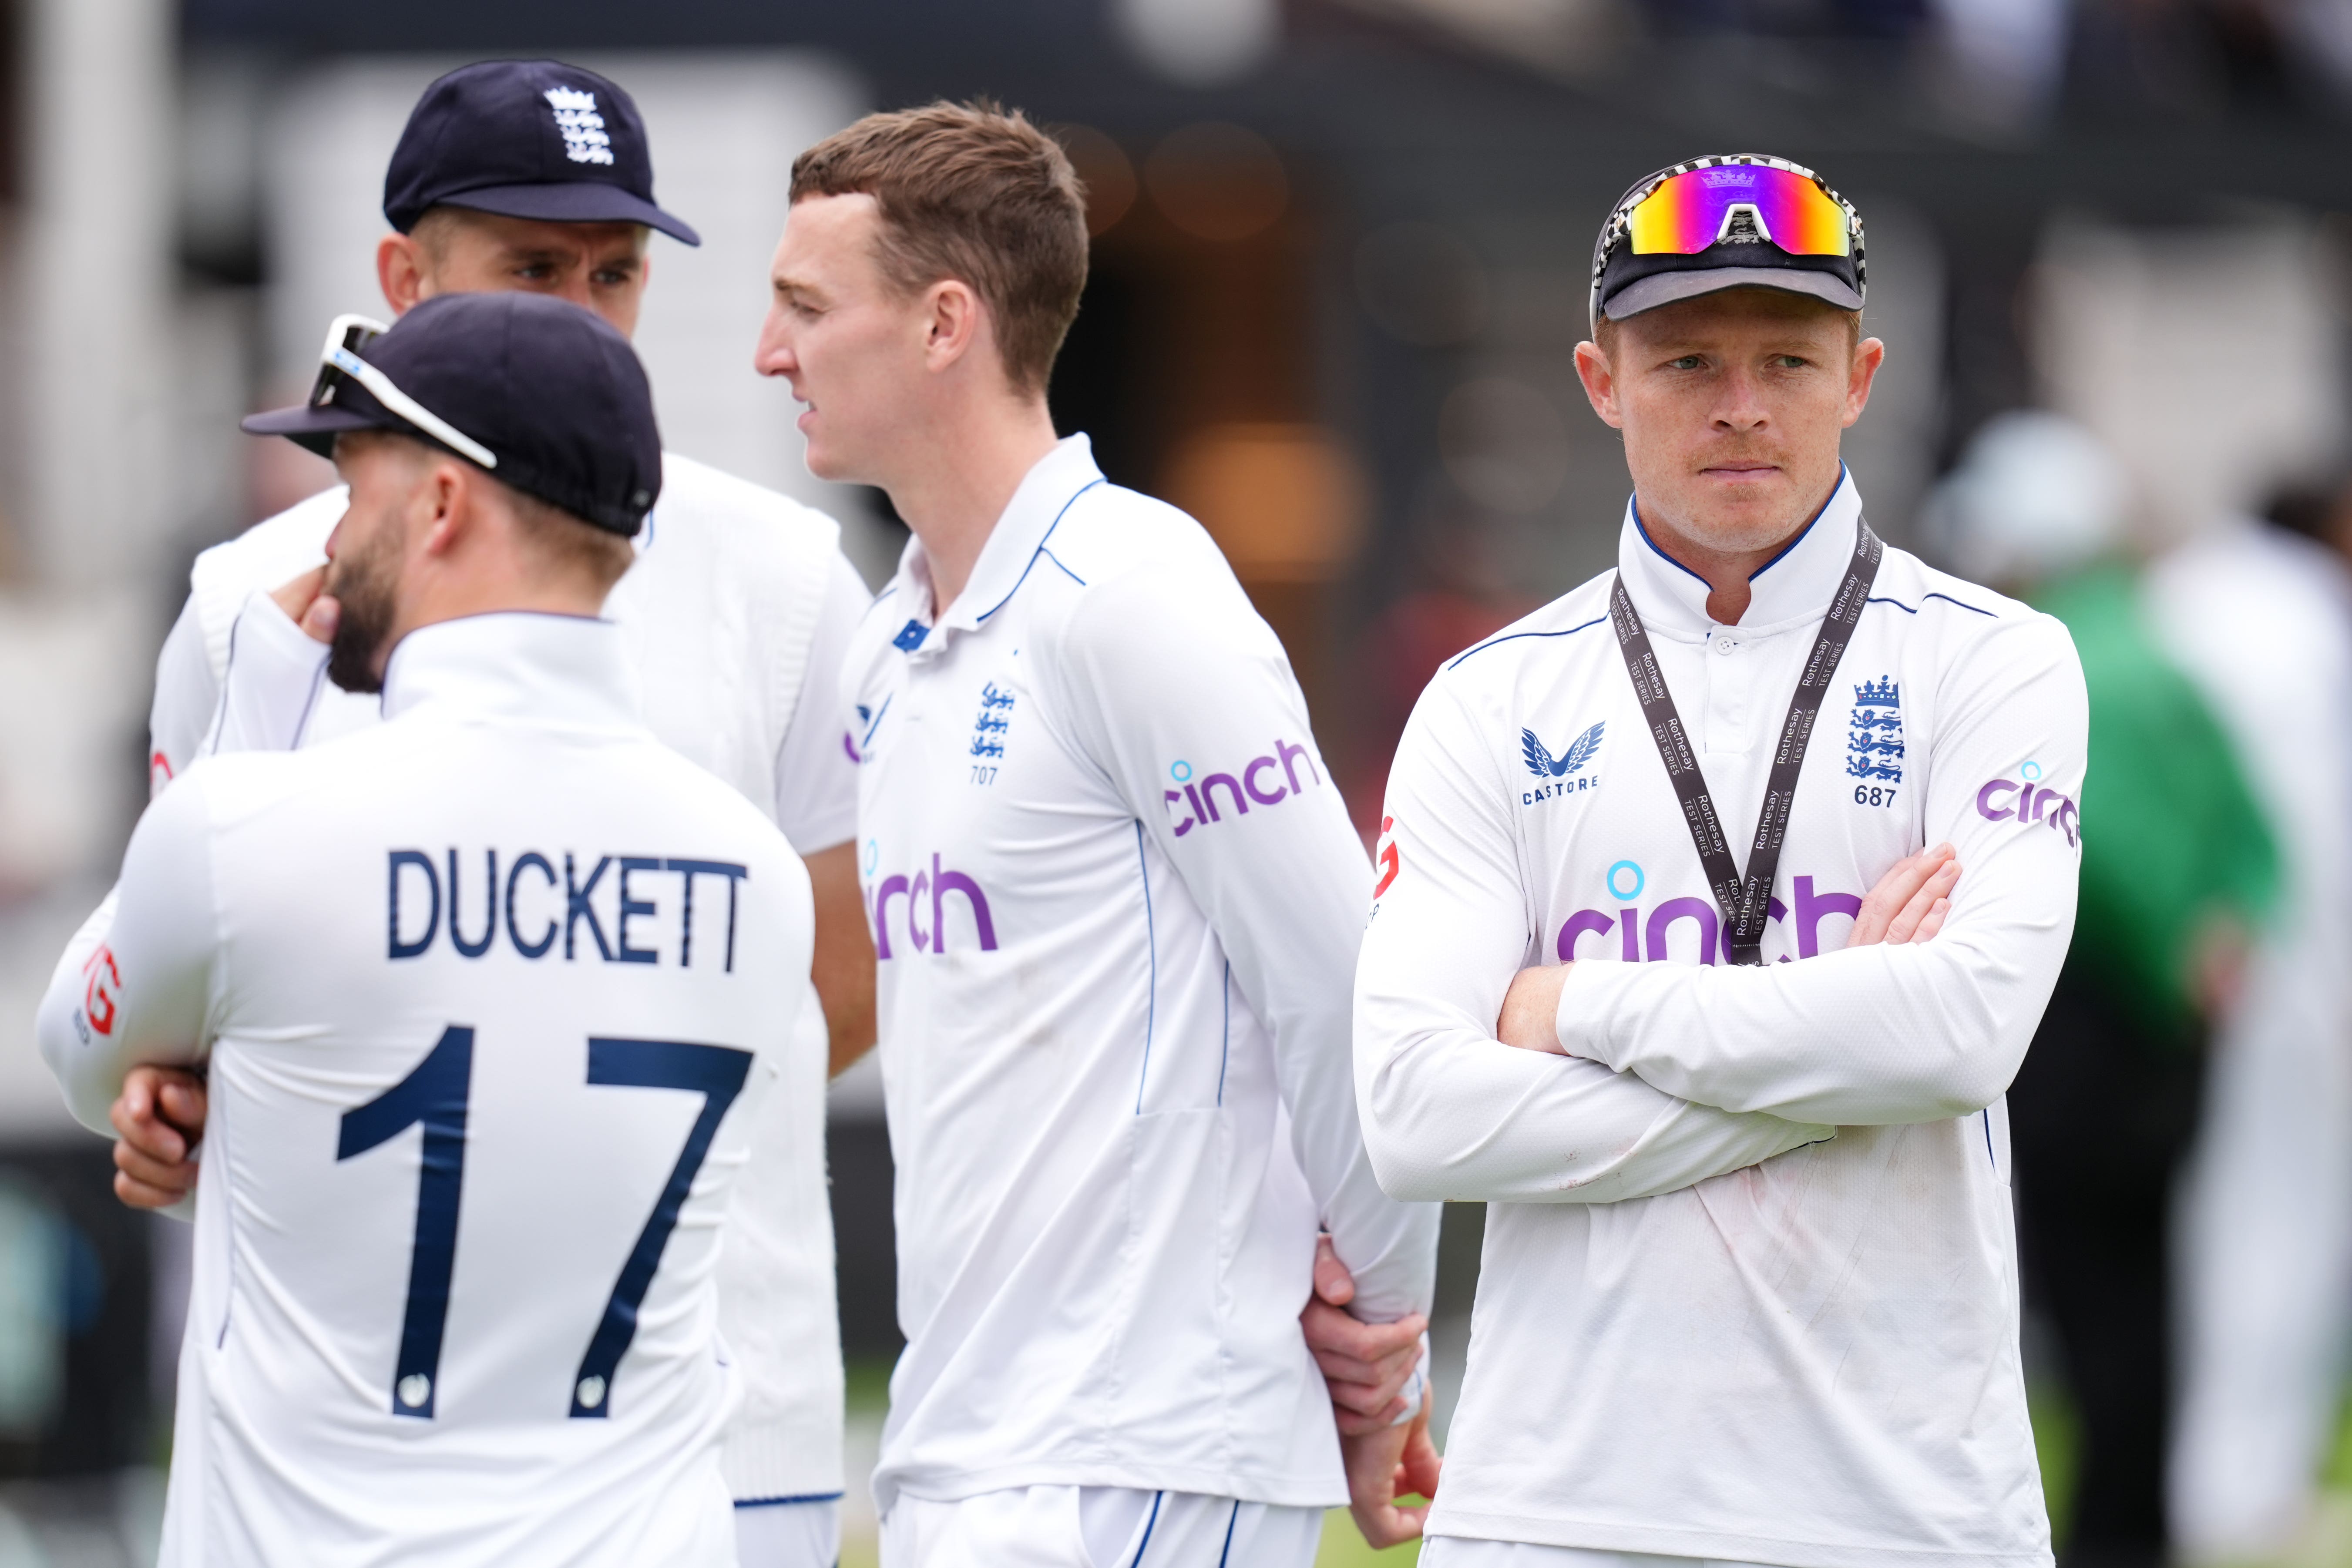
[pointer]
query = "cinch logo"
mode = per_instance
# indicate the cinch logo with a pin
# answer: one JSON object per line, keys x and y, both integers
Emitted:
{"x": 1555, "y": 772}
{"x": 1641, "y": 936}
{"x": 1200, "y": 795}
{"x": 931, "y": 887}
{"x": 2004, "y": 800}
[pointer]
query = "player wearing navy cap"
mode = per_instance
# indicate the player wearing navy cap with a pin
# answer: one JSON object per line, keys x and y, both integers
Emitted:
{"x": 1695, "y": 832}
{"x": 485, "y": 1069}
{"x": 535, "y": 176}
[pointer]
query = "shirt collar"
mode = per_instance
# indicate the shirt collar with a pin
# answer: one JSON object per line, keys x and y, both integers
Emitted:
{"x": 1792, "y": 588}
{"x": 1044, "y": 493}
{"x": 517, "y": 664}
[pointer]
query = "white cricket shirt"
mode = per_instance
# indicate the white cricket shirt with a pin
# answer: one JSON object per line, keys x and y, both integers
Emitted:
{"x": 740, "y": 603}
{"x": 490, "y": 997}
{"x": 1115, "y": 898}
{"x": 1706, "y": 1327}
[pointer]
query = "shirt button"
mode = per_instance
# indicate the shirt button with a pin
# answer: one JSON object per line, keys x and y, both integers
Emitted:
{"x": 1725, "y": 645}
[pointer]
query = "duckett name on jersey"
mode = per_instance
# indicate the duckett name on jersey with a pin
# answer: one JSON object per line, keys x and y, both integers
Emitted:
{"x": 534, "y": 907}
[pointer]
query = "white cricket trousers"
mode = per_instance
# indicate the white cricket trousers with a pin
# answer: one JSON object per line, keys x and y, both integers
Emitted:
{"x": 789, "y": 1532}
{"x": 1097, "y": 1527}
{"x": 1460, "y": 1552}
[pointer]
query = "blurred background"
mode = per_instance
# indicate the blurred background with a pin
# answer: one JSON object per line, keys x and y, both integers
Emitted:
{"x": 1341, "y": 257}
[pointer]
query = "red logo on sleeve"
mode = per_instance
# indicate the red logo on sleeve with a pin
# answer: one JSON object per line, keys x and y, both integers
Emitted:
{"x": 98, "y": 997}
{"x": 1389, "y": 864}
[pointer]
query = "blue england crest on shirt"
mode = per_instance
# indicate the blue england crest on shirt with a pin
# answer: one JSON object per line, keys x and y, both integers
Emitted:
{"x": 995, "y": 718}
{"x": 1544, "y": 766}
{"x": 1874, "y": 744}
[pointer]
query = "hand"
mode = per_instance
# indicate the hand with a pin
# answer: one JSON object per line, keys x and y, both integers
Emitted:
{"x": 1530, "y": 1018}
{"x": 2219, "y": 957}
{"x": 159, "y": 1115}
{"x": 1382, "y": 1466}
{"x": 1910, "y": 901}
{"x": 308, "y": 605}
{"x": 1365, "y": 1365}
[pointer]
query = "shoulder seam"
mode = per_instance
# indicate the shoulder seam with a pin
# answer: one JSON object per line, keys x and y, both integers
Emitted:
{"x": 1512, "y": 637}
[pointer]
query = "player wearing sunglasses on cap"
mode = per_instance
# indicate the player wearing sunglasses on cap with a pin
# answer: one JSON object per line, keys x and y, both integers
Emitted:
{"x": 476, "y": 1135}
{"x": 535, "y": 176}
{"x": 1675, "y": 965}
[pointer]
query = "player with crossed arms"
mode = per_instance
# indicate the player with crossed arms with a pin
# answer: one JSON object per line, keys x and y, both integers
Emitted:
{"x": 1749, "y": 1293}
{"x": 406, "y": 1342}
{"x": 536, "y": 176}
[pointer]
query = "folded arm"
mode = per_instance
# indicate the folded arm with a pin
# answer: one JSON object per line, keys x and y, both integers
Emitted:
{"x": 133, "y": 987}
{"x": 1888, "y": 1033}
{"x": 1451, "y": 1112}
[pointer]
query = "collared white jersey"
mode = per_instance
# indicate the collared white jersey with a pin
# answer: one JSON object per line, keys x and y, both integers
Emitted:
{"x": 1706, "y": 1326}
{"x": 489, "y": 997}
{"x": 1115, "y": 898}
{"x": 738, "y": 604}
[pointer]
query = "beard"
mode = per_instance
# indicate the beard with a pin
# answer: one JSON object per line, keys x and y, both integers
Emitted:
{"x": 363, "y": 583}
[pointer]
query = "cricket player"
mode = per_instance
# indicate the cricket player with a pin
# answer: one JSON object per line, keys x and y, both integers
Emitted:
{"x": 1749, "y": 1293}
{"x": 490, "y": 996}
{"x": 535, "y": 176}
{"x": 1115, "y": 902}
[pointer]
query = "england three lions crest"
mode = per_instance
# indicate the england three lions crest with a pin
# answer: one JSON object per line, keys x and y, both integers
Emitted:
{"x": 1873, "y": 742}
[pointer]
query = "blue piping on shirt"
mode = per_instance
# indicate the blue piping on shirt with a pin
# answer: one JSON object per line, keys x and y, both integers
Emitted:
{"x": 1041, "y": 549}
{"x": 1154, "y": 1520}
{"x": 1635, "y": 506}
{"x": 1150, "y": 1007}
{"x": 1225, "y": 1046}
{"x": 1571, "y": 631}
{"x": 1913, "y": 609}
{"x": 783, "y": 1502}
{"x": 868, "y": 736}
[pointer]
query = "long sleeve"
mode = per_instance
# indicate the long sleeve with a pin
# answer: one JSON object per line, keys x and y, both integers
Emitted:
{"x": 186, "y": 695}
{"x": 134, "y": 984}
{"x": 1449, "y": 1111}
{"x": 1174, "y": 683}
{"x": 1893, "y": 1034}
{"x": 275, "y": 671}
{"x": 816, "y": 773}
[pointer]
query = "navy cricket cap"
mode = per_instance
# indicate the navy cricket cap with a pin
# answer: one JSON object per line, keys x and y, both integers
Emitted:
{"x": 547, "y": 397}
{"x": 531, "y": 139}
{"x": 1740, "y": 220}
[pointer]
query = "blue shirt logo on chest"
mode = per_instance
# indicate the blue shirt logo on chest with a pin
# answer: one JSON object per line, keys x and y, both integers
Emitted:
{"x": 988, "y": 730}
{"x": 1556, "y": 773}
{"x": 1873, "y": 742}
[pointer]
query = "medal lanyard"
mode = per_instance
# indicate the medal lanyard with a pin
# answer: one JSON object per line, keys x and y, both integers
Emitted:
{"x": 1746, "y": 901}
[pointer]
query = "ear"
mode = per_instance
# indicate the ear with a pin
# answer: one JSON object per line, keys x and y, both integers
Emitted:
{"x": 1868, "y": 355}
{"x": 953, "y": 322}
{"x": 448, "y": 505}
{"x": 399, "y": 272}
{"x": 1600, "y": 378}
